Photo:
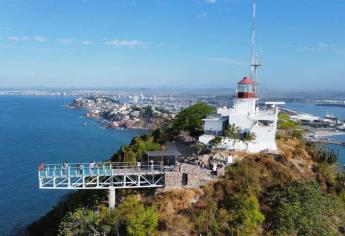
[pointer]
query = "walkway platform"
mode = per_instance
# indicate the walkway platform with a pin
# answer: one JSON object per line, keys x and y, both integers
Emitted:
{"x": 102, "y": 176}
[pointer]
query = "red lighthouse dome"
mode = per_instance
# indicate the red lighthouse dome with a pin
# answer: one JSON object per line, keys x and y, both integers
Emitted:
{"x": 246, "y": 88}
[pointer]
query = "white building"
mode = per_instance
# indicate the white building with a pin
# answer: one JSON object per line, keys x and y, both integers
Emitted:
{"x": 246, "y": 115}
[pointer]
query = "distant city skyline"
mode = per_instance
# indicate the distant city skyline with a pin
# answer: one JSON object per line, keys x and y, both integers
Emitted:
{"x": 179, "y": 44}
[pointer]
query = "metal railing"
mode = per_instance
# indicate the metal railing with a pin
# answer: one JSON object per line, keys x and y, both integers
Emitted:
{"x": 100, "y": 175}
{"x": 96, "y": 169}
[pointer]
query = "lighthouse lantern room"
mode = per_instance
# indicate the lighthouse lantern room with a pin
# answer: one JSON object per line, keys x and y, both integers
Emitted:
{"x": 246, "y": 88}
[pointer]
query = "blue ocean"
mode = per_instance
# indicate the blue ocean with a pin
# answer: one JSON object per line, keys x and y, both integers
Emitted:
{"x": 40, "y": 129}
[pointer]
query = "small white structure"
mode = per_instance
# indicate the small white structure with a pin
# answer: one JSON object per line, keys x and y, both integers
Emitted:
{"x": 215, "y": 125}
{"x": 245, "y": 114}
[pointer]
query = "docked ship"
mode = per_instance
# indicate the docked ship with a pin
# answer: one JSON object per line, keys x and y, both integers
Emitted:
{"x": 246, "y": 114}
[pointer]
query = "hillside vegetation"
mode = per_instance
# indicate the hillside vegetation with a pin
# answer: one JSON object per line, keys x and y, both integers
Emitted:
{"x": 298, "y": 192}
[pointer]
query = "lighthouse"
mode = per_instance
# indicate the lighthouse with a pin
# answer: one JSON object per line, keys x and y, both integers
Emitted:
{"x": 245, "y": 114}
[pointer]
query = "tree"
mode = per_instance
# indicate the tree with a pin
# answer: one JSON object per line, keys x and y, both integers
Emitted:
{"x": 131, "y": 216}
{"x": 248, "y": 136}
{"x": 303, "y": 209}
{"x": 245, "y": 214}
{"x": 131, "y": 153}
{"x": 130, "y": 157}
{"x": 216, "y": 141}
{"x": 85, "y": 222}
{"x": 159, "y": 136}
{"x": 190, "y": 119}
{"x": 212, "y": 220}
{"x": 233, "y": 132}
{"x": 138, "y": 219}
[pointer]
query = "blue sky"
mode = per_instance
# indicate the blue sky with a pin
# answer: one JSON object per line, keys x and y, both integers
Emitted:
{"x": 170, "y": 43}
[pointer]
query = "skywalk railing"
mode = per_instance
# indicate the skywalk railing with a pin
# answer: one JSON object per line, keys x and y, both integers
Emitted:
{"x": 100, "y": 175}
{"x": 98, "y": 169}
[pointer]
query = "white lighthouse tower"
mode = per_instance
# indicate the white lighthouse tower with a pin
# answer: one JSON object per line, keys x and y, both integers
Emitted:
{"x": 245, "y": 113}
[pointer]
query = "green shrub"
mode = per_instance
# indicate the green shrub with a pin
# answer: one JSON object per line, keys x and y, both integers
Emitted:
{"x": 302, "y": 209}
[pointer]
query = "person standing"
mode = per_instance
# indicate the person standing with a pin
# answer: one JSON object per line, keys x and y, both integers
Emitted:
{"x": 214, "y": 168}
{"x": 92, "y": 166}
{"x": 152, "y": 166}
{"x": 66, "y": 167}
{"x": 81, "y": 168}
{"x": 41, "y": 167}
{"x": 138, "y": 164}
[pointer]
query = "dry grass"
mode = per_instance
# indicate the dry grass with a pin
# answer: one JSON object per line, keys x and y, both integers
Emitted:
{"x": 169, "y": 205}
{"x": 176, "y": 208}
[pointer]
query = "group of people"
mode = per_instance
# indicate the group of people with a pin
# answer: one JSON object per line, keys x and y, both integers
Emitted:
{"x": 92, "y": 166}
{"x": 202, "y": 165}
{"x": 151, "y": 165}
{"x": 213, "y": 165}
{"x": 80, "y": 167}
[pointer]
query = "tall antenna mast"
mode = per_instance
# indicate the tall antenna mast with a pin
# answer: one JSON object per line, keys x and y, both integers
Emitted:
{"x": 254, "y": 60}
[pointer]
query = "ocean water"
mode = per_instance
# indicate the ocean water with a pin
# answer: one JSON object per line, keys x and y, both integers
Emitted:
{"x": 40, "y": 129}
{"x": 321, "y": 111}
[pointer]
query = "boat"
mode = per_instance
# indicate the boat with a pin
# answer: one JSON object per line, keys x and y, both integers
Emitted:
{"x": 330, "y": 117}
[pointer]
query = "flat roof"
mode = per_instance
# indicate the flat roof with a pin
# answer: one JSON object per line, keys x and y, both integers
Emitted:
{"x": 163, "y": 153}
{"x": 171, "y": 150}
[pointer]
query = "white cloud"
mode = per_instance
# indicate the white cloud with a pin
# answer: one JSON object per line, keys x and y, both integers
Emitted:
{"x": 128, "y": 43}
{"x": 202, "y": 15}
{"x": 211, "y": 1}
{"x": 86, "y": 42}
{"x": 65, "y": 40}
{"x": 18, "y": 38}
{"x": 323, "y": 47}
{"x": 39, "y": 38}
{"x": 229, "y": 61}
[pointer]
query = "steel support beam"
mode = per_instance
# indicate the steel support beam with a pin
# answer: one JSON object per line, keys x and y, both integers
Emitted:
{"x": 112, "y": 198}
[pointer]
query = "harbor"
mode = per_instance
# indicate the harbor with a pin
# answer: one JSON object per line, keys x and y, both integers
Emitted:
{"x": 318, "y": 123}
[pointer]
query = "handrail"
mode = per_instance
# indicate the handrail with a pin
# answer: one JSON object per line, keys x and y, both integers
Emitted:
{"x": 102, "y": 169}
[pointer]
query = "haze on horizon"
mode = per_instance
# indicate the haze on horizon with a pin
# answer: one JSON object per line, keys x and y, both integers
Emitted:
{"x": 163, "y": 43}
